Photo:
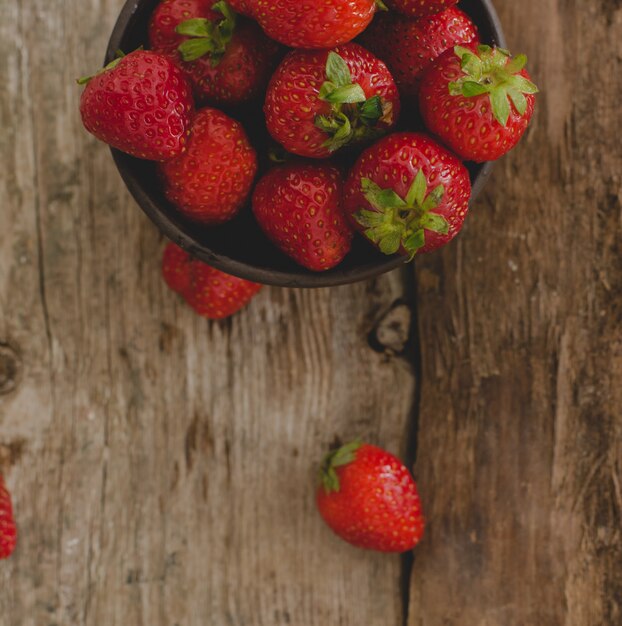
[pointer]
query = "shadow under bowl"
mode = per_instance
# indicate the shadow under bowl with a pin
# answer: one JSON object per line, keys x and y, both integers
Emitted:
{"x": 240, "y": 247}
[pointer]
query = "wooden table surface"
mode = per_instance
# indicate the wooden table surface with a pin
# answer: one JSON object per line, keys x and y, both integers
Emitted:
{"x": 162, "y": 466}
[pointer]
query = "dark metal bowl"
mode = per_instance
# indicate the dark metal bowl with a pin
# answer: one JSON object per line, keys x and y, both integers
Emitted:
{"x": 239, "y": 247}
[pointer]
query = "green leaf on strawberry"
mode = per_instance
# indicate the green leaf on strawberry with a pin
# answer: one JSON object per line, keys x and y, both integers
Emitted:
{"x": 207, "y": 37}
{"x": 347, "y": 122}
{"x": 401, "y": 222}
{"x": 495, "y": 72}
{"x": 337, "y": 458}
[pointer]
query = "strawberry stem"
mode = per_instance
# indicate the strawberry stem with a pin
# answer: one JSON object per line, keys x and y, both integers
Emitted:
{"x": 353, "y": 116}
{"x": 397, "y": 222}
{"x": 207, "y": 37}
{"x": 337, "y": 458}
{"x": 85, "y": 79}
{"x": 495, "y": 72}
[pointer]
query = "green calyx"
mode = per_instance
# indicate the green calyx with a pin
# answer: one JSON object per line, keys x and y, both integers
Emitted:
{"x": 396, "y": 222}
{"x": 495, "y": 72}
{"x": 337, "y": 458}
{"x": 118, "y": 56}
{"x": 207, "y": 37}
{"x": 353, "y": 116}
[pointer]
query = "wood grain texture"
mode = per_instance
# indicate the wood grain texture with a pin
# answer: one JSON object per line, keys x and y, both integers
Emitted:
{"x": 162, "y": 466}
{"x": 520, "y": 428}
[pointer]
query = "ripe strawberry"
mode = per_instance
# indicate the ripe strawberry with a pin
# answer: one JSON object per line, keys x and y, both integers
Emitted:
{"x": 408, "y": 194}
{"x": 479, "y": 100}
{"x": 312, "y": 24}
{"x": 408, "y": 46}
{"x": 227, "y": 61}
{"x": 419, "y": 8}
{"x": 319, "y": 101}
{"x": 212, "y": 180}
{"x": 140, "y": 104}
{"x": 210, "y": 292}
{"x": 369, "y": 498}
{"x": 8, "y": 530}
{"x": 298, "y": 206}
{"x": 245, "y": 7}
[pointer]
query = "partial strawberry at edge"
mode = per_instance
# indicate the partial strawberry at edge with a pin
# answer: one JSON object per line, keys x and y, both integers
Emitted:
{"x": 478, "y": 100}
{"x": 212, "y": 180}
{"x": 244, "y": 7}
{"x": 407, "y": 194}
{"x": 140, "y": 104}
{"x": 227, "y": 60}
{"x": 168, "y": 14}
{"x": 8, "y": 530}
{"x": 312, "y": 24}
{"x": 176, "y": 267}
{"x": 211, "y": 293}
{"x": 420, "y": 8}
{"x": 408, "y": 46}
{"x": 298, "y": 206}
{"x": 369, "y": 499}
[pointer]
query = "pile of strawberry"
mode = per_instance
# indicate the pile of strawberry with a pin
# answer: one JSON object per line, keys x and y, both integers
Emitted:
{"x": 371, "y": 136}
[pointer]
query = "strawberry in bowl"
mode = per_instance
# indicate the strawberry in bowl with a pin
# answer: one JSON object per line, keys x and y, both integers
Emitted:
{"x": 478, "y": 100}
{"x": 408, "y": 195}
{"x": 227, "y": 60}
{"x": 325, "y": 106}
{"x": 311, "y": 24}
{"x": 319, "y": 102}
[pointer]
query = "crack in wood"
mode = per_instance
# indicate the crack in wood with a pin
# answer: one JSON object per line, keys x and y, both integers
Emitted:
{"x": 413, "y": 350}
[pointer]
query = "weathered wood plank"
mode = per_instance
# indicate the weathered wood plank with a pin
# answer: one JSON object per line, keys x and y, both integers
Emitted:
{"x": 520, "y": 455}
{"x": 162, "y": 466}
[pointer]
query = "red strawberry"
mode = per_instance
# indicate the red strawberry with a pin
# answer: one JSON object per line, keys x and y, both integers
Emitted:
{"x": 210, "y": 292}
{"x": 408, "y": 46}
{"x": 176, "y": 268}
{"x": 212, "y": 180}
{"x": 245, "y": 7}
{"x": 298, "y": 206}
{"x": 227, "y": 61}
{"x": 8, "y": 530}
{"x": 169, "y": 14}
{"x": 478, "y": 100}
{"x": 140, "y": 104}
{"x": 408, "y": 194}
{"x": 319, "y": 101}
{"x": 418, "y": 8}
{"x": 312, "y": 24}
{"x": 369, "y": 498}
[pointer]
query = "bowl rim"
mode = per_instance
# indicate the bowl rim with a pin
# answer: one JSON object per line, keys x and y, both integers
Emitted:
{"x": 280, "y": 278}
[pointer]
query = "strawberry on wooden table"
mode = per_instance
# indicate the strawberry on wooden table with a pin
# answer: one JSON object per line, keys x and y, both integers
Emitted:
{"x": 228, "y": 61}
{"x": 140, "y": 104}
{"x": 8, "y": 530}
{"x": 419, "y": 8}
{"x": 320, "y": 101}
{"x": 312, "y": 24}
{"x": 407, "y": 194}
{"x": 210, "y": 292}
{"x": 408, "y": 46}
{"x": 369, "y": 498}
{"x": 212, "y": 179}
{"x": 298, "y": 206}
{"x": 478, "y": 100}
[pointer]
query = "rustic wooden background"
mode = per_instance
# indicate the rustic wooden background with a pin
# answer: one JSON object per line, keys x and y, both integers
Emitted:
{"x": 161, "y": 466}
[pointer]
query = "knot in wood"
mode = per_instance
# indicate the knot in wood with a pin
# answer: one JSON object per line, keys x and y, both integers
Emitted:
{"x": 392, "y": 331}
{"x": 10, "y": 369}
